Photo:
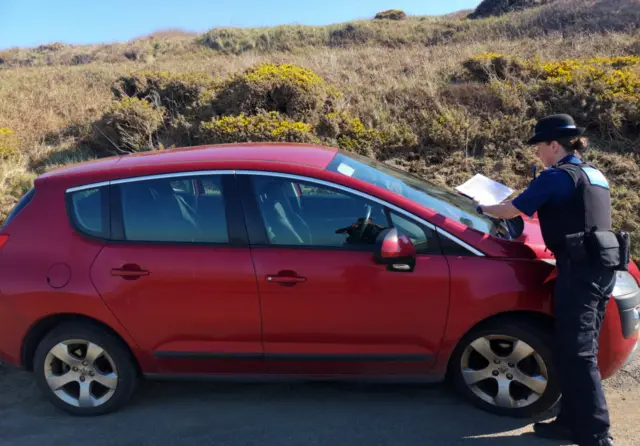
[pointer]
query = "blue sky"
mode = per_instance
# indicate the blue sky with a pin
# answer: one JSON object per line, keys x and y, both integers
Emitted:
{"x": 33, "y": 22}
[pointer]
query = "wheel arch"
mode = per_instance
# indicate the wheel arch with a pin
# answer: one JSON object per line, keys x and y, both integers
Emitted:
{"x": 42, "y": 327}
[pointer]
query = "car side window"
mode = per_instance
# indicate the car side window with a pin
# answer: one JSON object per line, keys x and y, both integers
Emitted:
{"x": 298, "y": 213}
{"x": 423, "y": 238}
{"x": 88, "y": 211}
{"x": 181, "y": 210}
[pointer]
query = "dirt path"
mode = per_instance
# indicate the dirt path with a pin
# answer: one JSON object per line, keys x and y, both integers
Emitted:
{"x": 288, "y": 414}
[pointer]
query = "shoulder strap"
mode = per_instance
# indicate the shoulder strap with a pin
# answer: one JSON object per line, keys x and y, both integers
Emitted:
{"x": 574, "y": 171}
{"x": 586, "y": 172}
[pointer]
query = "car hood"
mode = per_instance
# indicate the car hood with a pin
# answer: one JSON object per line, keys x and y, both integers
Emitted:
{"x": 529, "y": 244}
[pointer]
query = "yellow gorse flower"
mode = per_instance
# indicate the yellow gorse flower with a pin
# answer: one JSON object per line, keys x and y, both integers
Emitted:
{"x": 616, "y": 77}
{"x": 8, "y": 143}
{"x": 285, "y": 73}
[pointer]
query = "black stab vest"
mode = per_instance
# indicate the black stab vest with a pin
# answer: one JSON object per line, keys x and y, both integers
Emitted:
{"x": 588, "y": 207}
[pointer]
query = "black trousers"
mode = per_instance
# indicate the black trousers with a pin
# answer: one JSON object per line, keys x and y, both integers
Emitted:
{"x": 581, "y": 296}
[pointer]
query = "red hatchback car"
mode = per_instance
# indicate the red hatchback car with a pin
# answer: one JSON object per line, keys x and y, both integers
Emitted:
{"x": 290, "y": 260}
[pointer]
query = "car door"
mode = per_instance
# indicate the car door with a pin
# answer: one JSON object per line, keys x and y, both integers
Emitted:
{"x": 179, "y": 274}
{"x": 324, "y": 299}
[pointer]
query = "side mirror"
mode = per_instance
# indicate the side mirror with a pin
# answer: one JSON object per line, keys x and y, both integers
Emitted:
{"x": 516, "y": 225}
{"x": 395, "y": 250}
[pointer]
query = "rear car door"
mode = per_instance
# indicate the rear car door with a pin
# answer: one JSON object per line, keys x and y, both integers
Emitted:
{"x": 326, "y": 305}
{"x": 178, "y": 272}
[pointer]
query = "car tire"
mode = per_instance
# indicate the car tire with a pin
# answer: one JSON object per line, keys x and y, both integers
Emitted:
{"x": 108, "y": 373}
{"x": 487, "y": 387}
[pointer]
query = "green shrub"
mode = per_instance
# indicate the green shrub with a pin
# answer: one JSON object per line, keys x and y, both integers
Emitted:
{"x": 476, "y": 97}
{"x": 350, "y": 34}
{"x": 601, "y": 92}
{"x": 458, "y": 129}
{"x": 355, "y": 137}
{"x": 486, "y": 66}
{"x": 391, "y": 14}
{"x": 270, "y": 126}
{"x": 81, "y": 59}
{"x": 284, "y": 88}
{"x": 51, "y": 47}
{"x": 130, "y": 125}
{"x": 179, "y": 93}
{"x": 350, "y": 134}
{"x": 451, "y": 129}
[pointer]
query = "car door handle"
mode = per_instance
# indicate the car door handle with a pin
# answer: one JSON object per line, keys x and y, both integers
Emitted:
{"x": 286, "y": 279}
{"x": 129, "y": 272}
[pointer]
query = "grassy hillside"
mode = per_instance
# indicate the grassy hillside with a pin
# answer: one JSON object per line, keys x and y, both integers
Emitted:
{"x": 445, "y": 97}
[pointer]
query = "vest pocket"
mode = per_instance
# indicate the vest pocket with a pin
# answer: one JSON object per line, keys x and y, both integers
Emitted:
{"x": 605, "y": 248}
{"x": 576, "y": 248}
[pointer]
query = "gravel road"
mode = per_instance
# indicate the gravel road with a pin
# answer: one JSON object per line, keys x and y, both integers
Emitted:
{"x": 287, "y": 414}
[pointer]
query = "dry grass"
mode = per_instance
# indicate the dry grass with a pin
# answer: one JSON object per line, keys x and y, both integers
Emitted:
{"x": 397, "y": 79}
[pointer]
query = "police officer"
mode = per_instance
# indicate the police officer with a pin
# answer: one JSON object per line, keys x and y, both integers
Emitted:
{"x": 571, "y": 197}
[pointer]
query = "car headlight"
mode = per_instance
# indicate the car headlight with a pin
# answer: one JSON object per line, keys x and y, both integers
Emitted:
{"x": 625, "y": 284}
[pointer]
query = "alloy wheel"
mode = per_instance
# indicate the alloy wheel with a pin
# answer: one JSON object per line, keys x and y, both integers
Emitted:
{"x": 504, "y": 371}
{"x": 81, "y": 373}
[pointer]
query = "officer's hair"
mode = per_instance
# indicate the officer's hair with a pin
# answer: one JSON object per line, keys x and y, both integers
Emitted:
{"x": 572, "y": 145}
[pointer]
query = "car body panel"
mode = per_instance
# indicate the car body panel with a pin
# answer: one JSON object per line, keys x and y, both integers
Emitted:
{"x": 192, "y": 158}
{"x": 349, "y": 305}
{"x": 40, "y": 251}
{"x": 196, "y": 299}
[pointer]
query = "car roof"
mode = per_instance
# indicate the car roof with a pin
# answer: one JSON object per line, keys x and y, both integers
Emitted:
{"x": 195, "y": 158}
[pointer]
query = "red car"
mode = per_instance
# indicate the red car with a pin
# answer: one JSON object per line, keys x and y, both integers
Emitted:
{"x": 292, "y": 260}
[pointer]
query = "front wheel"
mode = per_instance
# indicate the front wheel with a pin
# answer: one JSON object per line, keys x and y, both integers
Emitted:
{"x": 84, "y": 370}
{"x": 506, "y": 368}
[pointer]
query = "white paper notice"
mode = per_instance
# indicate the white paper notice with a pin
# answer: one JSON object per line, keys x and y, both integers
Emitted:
{"x": 484, "y": 190}
{"x": 345, "y": 169}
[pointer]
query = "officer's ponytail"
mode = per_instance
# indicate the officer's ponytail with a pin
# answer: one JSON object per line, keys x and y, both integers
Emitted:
{"x": 572, "y": 145}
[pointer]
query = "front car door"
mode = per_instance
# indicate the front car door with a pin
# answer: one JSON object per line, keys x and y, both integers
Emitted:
{"x": 327, "y": 307}
{"x": 178, "y": 272}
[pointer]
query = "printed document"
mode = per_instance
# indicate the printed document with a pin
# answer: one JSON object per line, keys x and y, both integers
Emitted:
{"x": 484, "y": 190}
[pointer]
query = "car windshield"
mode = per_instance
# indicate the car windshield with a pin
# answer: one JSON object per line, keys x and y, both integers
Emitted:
{"x": 440, "y": 199}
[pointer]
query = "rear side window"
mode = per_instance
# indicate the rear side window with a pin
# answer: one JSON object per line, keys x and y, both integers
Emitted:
{"x": 183, "y": 210}
{"x": 24, "y": 201}
{"x": 88, "y": 209}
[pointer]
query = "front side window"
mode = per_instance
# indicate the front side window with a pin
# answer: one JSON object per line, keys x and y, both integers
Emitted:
{"x": 429, "y": 195}
{"x": 297, "y": 213}
{"x": 185, "y": 210}
{"x": 423, "y": 238}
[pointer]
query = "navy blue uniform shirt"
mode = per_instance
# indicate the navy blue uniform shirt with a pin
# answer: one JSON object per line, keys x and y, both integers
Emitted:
{"x": 551, "y": 186}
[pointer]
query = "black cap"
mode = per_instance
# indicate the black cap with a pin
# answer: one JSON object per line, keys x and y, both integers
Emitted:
{"x": 555, "y": 127}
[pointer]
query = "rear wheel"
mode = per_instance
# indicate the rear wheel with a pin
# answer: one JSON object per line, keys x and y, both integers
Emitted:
{"x": 506, "y": 368}
{"x": 84, "y": 370}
